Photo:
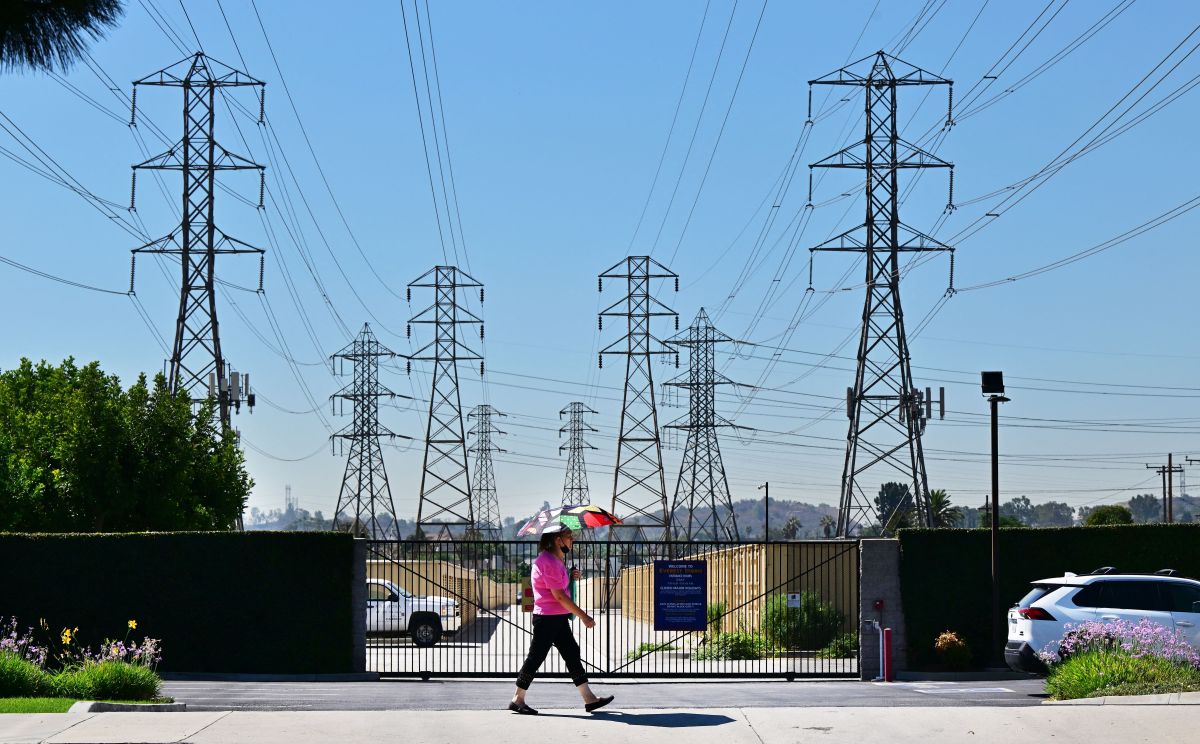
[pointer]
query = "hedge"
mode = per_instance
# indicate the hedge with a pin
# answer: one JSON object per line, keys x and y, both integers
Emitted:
{"x": 252, "y": 602}
{"x": 945, "y": 575}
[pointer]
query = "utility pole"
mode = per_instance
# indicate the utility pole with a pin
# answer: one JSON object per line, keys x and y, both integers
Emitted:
{"x": 639, "y": 485}
{"x": 1167, "y": 472}
{"x": 702, "y": 482}
{"x": 197, "y": 364}
{"x": 575, "y": 483}
{"x": 365, "y": 490}
{"x": 766, "y": 489}
{"x": 887, "y": 412}
{"x": 483, "y": 487}
{"x": 445, "y": 495}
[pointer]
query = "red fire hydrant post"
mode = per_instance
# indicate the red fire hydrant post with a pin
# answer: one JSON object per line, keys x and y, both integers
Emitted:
{"x": 887, "y": 655}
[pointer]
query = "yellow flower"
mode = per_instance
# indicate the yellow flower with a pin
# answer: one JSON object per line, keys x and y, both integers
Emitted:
{"x": 66, "y": 636}
{"x": 133, "y": 624}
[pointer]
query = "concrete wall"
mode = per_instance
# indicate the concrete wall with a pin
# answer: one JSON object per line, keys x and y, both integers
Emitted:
{"x": 879, "y": 579}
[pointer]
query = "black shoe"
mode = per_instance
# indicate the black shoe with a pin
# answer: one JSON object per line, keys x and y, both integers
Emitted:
{"x": 589, "y": 707}
{"x": 524, "y": 709}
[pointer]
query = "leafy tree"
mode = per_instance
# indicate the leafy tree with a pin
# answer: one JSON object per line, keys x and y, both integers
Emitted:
{"x": 1019, "y": 509}
{"x": 1109, "y": 514}
{"x": 80, "y": 454}
{"x": 985, "y": 519}
{"x": 1145, "y": 508}
{"x": 894, "y": 497}
{"x": 1053, "y": 514}
{"x": 943, "y": 512}
{"x": 51, "y": 34}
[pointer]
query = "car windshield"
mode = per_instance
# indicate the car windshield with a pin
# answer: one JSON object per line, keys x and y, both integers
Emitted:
{"x": 1037, "y": 592}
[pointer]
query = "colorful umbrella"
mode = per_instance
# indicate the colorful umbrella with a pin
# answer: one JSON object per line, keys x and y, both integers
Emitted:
{"x": 576, "y": 517}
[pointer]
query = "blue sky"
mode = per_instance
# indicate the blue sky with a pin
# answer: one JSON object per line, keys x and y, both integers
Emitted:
{"x": 557, "y": 114}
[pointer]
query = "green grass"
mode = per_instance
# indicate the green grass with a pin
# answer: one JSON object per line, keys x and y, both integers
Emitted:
{"x": 59, "y": 704}
{"x": 108, "y": 680}
{"x": 35, "y": 705}
{"x": 1100, "y": 673}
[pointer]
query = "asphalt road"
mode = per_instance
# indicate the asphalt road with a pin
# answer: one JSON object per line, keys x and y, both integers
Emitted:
{"x": 402, "y": 694}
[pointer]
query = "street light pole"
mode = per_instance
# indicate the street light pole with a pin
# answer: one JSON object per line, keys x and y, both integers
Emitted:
{"x": 993, "y": 387}
{"x": 766, "y": 489}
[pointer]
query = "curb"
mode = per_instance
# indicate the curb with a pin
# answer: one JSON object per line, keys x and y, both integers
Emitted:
{"x": 1170, "y": 698}
{"x": 91, "y": 706}
{"x": 221, "y": 677}
{"x": 961, "y": 676}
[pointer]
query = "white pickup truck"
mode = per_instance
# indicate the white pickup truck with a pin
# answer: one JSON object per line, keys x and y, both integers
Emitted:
{"x": 391, "y": 610}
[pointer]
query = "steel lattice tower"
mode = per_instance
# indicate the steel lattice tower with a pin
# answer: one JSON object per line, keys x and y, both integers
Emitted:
{"x": 483, "y": 483}
{"x": 887, "y": 413}
{"x": 197, "y": 364}
{"x": 702, "y": 483}
{"x": 365, "y": 491}
{"x": 639, "y": 486}
{"x": 575, "y": 483}
{"x": 445, "y": 485}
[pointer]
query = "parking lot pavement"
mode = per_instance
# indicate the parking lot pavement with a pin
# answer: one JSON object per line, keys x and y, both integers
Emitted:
{"x": 398, "y": 694}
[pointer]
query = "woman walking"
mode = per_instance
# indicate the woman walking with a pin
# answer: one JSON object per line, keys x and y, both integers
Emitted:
{"x": 552, "y": 610}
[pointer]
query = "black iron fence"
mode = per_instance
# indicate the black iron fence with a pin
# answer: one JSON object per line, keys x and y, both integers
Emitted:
{"x": 771, "y": 609}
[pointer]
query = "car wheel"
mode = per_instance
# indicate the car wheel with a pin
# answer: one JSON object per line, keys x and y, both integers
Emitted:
{"x": 425, "y": 633}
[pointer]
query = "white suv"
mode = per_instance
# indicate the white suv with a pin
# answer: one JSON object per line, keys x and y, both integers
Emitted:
{"x": 1037, "y": 621}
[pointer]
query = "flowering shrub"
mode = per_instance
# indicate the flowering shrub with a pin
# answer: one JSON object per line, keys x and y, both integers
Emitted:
{"x": 1138, "y": 640}
{"x": 1120, "y": 658}
{"x": 21, "y": 645}
{"x": 952, "y": 650}
{"x": 69, "y": 653}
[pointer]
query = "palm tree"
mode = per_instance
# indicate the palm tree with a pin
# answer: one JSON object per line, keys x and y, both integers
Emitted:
{"x": 827, "y": 524}
{"x": 791, "y": 528}
{"x": 944, "y": 514}
{"x": 51, "y": 34}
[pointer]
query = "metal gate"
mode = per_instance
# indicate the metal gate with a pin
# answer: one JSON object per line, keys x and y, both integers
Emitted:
{"x": 784, "y": 610}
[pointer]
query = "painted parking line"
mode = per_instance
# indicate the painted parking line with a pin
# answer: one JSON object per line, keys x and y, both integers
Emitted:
{"x": 964, "y": 690}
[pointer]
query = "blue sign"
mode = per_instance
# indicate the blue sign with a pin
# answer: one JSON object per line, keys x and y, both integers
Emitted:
{"x": 680, "y": 595}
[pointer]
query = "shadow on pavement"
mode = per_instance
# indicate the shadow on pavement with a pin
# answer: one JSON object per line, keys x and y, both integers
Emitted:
{"x": 659, "y": 720}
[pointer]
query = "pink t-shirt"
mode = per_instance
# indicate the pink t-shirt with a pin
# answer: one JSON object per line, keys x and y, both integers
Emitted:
{"x": 548, "y": 573}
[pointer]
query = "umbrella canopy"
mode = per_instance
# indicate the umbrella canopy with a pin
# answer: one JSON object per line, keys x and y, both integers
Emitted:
{"x": 575, "y": 517}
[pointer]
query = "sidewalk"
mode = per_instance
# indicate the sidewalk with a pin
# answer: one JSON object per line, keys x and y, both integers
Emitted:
{"x": 1108, "y": 723}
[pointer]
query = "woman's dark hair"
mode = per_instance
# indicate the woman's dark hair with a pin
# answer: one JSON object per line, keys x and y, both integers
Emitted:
{"x": 546, "y": 541}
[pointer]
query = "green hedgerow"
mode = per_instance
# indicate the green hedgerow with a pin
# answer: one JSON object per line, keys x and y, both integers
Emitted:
{"x": 812, "y": 625}
{"x": 107, "y": 680}
{"x": 20, "y": 677}
{"x": 845, "y": 646}
{"x": 645, "y": 648}
{"x": 1114, "y": 672}
{"x": 732, "y": 646}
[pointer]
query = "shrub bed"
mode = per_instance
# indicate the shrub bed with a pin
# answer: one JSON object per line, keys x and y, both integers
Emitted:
{"x": 1120, "y": 658}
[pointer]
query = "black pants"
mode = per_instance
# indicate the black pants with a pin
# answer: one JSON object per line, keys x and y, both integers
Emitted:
{"x": 551, "y": 630}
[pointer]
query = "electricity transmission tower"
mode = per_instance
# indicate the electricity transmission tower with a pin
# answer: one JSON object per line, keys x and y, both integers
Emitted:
{"x": 197, "y": 364}
{"x": 887, "y": 413}
{"x": 445, "y": 485}
{"x": 639, "y": 486}
{"x": 702, "y": 483}
{"x": 483, "y": 487}
{"x": 575, "y": 484}
{"x": 365, "y": 491}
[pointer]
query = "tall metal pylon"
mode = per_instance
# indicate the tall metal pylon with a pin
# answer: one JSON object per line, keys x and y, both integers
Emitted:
{"x": 886, "y": 410}
{"x": 197, "y": 363}
{"x": 445, "y": 496}
{"x": 702, "y": 483}
{"x": 365, "y": 492}
{"x": 483, "y": 481}
{"x": 639, "y": 486}
{"x": 575, "y": 483}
